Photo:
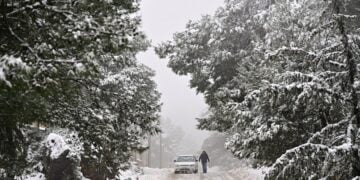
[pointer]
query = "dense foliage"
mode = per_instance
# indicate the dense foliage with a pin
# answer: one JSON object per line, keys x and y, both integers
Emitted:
{"x": 71, "y": 64}
{"x": 282, "y": 78}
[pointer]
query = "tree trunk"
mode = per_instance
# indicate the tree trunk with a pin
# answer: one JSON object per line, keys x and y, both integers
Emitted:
{"x": 352, "y": 71}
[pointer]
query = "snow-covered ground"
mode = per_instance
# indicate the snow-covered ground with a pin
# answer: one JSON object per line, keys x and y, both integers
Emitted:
{"x": 214, "y": 173}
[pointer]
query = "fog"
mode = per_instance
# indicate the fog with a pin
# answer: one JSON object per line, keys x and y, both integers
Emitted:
{"x": 161, "y": 19}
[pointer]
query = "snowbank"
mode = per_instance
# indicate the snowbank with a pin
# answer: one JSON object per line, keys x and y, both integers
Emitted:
{"x": 128, "y": 175}
{"x": 131, "y": 174}
{"x": 247, "y": 173}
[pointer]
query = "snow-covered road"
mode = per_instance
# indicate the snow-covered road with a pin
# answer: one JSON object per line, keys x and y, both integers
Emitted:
{"x": 213, "y": 174}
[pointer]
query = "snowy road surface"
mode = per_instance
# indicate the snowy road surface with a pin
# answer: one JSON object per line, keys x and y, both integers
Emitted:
{"x": 213, "y": 174}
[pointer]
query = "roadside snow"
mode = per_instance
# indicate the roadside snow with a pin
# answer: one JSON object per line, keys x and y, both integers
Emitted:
{"x": 247, "y": 173}
{"x": 131, "y": 174}
{"x": 127, "y": 175}
{"x": 157, "y": 171}
{"x": 156, "y": 174}
{"x": 214, "y": 173}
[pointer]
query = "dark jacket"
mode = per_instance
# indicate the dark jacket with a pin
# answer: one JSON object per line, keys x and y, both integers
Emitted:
{"x": 204, "y": 157}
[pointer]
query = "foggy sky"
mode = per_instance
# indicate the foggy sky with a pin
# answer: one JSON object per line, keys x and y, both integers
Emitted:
{"x": 160, "y": 20}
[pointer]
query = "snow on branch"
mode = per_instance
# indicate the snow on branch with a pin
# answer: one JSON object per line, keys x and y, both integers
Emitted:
{"x": 331, "y": 134}
{"x": 70, "y": 61}
{"x": 37, "y": 4}
{"x": 314, "y": 161}
{"x": 338, "y": 64}
{"x": 328, "y": 25}
{"x": 344, "y": 16}
{"x": 290, "y": 51}
{"x": 8, "y": 64}
{"x": 296, "y": 76}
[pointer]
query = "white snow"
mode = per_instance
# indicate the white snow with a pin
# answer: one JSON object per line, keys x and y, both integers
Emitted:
{"x": 33, "y": 176}
{"x": 214, "y": 173}
{"x": 128, "y": 175}
{"x": 2, "y": 172}
{"x": 2, "y": 76}
{"x": 249, "y": 173}
{"x": 156, "y": 174}
{"x": 131, "y": 174}
{"x": 56, "y": 144}
{"x": 80, "y": 67}
{"x": 7, "y": 63}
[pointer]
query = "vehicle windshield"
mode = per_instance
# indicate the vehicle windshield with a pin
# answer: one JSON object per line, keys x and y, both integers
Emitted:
{"x": 186, "y": 159}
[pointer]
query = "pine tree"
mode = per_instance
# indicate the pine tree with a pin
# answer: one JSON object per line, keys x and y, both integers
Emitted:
{"x": 71, "y": 64}
{"x": 292, "y": 101}
{"x": 214, "y": 51}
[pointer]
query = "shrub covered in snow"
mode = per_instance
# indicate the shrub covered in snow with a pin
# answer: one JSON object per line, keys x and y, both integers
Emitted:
{"x": 131, "y": 173}
{"x": 57, "y": 156}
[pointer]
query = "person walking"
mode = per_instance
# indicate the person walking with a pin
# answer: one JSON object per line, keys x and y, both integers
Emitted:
{"x": 204, "y": 158}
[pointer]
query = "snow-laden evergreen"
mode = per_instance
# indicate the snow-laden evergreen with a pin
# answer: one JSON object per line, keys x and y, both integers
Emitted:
{"x": 71, "y": 65}
{"x": 60, "y": 149}
{"x": 281, "y": 78}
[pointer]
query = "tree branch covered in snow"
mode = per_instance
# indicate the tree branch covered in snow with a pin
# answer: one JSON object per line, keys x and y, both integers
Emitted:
{"x": 72, "y": 65}
{"x": 281, "y": 78}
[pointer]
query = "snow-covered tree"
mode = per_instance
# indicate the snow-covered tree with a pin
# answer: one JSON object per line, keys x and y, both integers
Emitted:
{"x": 71, "y": 64}
{"x": 293, "y": 99}
{"x": 126, "y": 111}
{"x": 297, "y": 101}
{"x": 57, "y": 156}
{"x": 332, "y": 151}
{"x": 216, "y": 49}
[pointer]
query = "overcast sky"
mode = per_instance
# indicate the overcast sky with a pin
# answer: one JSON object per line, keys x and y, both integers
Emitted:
{"x": 161, "y": 19}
